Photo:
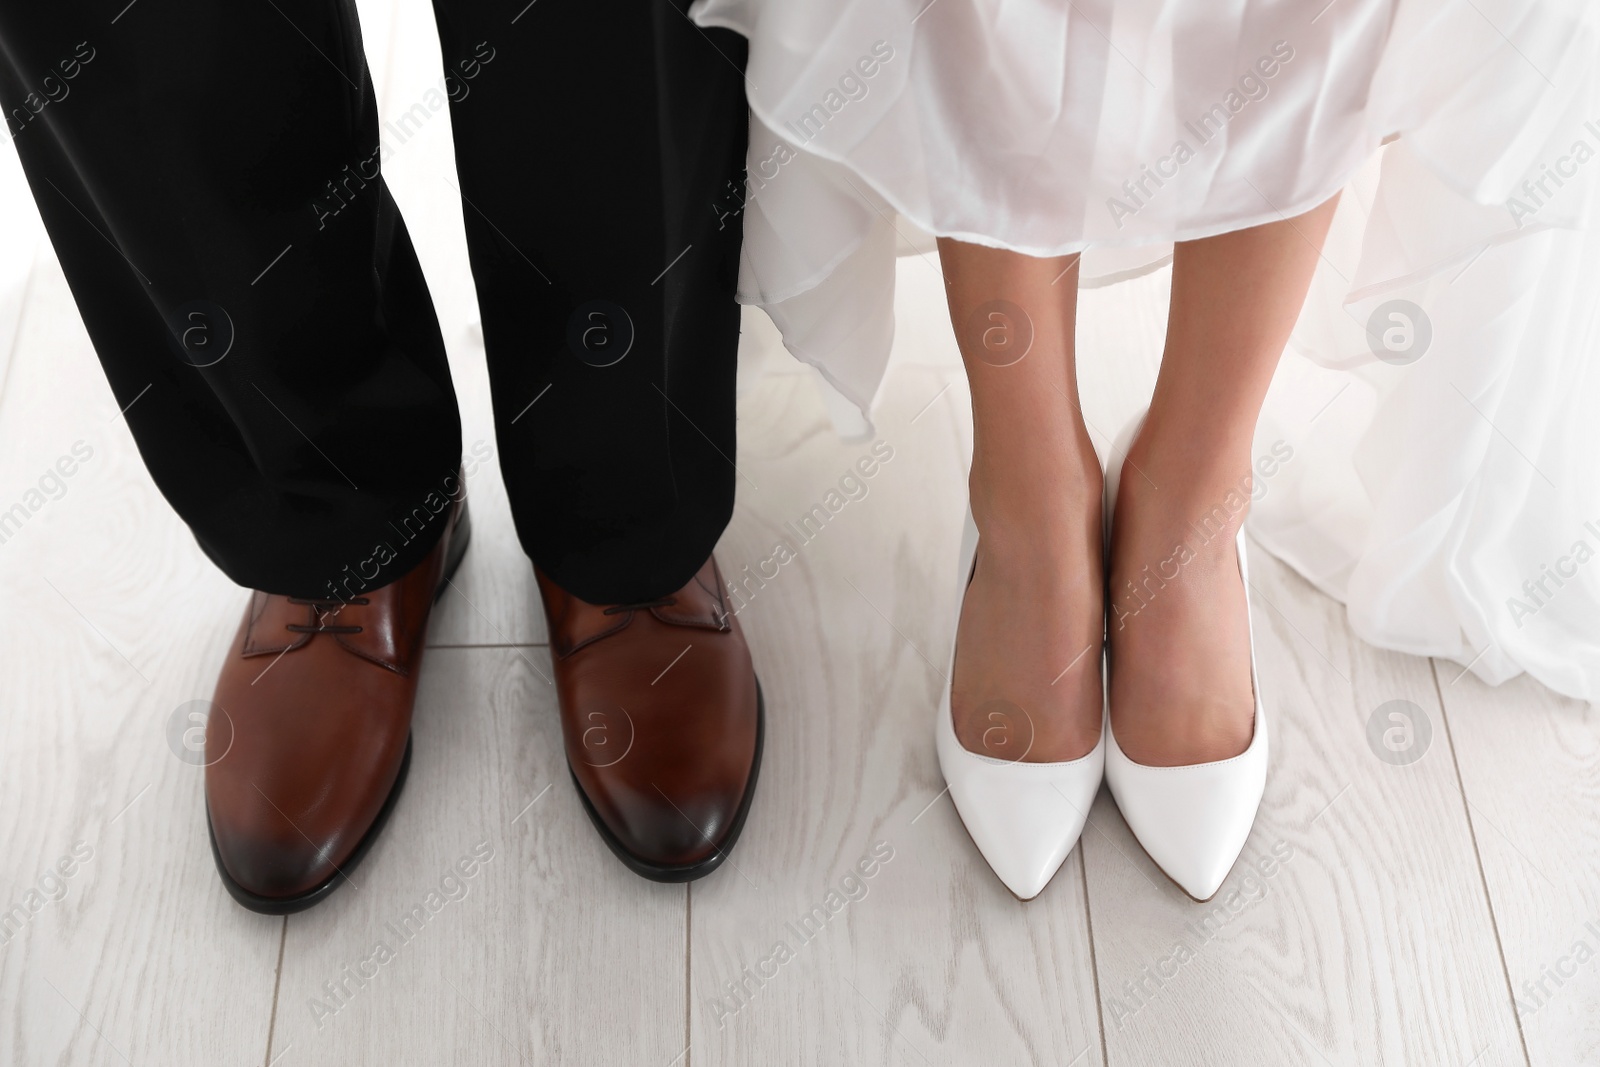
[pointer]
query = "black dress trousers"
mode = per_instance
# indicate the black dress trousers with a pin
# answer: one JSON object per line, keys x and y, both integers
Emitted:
{"x": 210, "y": 177}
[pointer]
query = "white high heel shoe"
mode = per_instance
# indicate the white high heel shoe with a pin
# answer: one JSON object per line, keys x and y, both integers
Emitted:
{"x": 1192, "y": 820}
{"x": 1024, "y": 817}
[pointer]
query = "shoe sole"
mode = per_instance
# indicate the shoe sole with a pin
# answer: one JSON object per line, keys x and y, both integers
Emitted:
{"x": 301, "y": 901}
{"x": 657, "y": 872}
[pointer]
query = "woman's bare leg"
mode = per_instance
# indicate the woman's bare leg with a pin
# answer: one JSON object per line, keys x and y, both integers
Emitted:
{"x": 1027, "y": 676}
{"x": 1180, "y": 646}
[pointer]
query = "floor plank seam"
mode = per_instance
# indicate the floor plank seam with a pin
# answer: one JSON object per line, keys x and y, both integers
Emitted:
{"x": 1094, "y": 962}
{"x": 277, "y": 983}
{"x": 688, "y": 970}
{"x": 1483, "y": 878}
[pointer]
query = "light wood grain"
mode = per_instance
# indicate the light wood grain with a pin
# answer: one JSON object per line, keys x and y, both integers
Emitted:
{"x": 1530, "y": 764}
{"x": 937, "y": 963}
{"x": 114, "y": 619}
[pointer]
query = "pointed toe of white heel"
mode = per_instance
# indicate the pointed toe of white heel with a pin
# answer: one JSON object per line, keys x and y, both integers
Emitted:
{"x": 1024, "y": 817}
{"x": 1192, "y": 820}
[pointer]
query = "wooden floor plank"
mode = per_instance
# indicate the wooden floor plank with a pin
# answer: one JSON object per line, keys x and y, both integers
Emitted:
{"x": 1530, "y": 767}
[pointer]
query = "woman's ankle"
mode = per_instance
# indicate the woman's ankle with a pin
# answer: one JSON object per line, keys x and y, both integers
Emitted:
{"x": 1205, "y": 489}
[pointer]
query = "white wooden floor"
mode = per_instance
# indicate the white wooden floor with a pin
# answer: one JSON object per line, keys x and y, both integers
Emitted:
{"x": 1440, "y": 912}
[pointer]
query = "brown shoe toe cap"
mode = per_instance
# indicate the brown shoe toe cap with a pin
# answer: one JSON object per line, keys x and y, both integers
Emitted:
{"x": 664, "y": 830}
{"x": 277, "y": 867}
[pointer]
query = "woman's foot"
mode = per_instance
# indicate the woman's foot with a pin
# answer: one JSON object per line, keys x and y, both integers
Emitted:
{"x": 1027, "y": 683}
{"x": 1026, "y": 678}
{"x": 1176, "y": 616}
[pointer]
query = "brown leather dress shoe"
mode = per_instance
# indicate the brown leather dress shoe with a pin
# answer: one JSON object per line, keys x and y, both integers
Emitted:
{"x": 662, "y": 716}
{"x": 309, "y": 739}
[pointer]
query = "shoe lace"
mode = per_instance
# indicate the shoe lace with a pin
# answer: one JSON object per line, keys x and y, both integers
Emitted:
{"x": 323, "y": 608}
{"x": 641, "y": 605}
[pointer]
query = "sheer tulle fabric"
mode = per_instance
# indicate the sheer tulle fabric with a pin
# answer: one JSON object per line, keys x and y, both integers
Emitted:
{"x": 1445, "y": 491}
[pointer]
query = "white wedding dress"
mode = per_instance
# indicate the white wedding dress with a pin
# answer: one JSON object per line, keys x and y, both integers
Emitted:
{"x": 1441, "y": 389}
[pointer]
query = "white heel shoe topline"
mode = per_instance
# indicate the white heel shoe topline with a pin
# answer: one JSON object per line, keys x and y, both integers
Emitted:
{"x": 1024, "y": 817}
{"x": 1192, "y": 820}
